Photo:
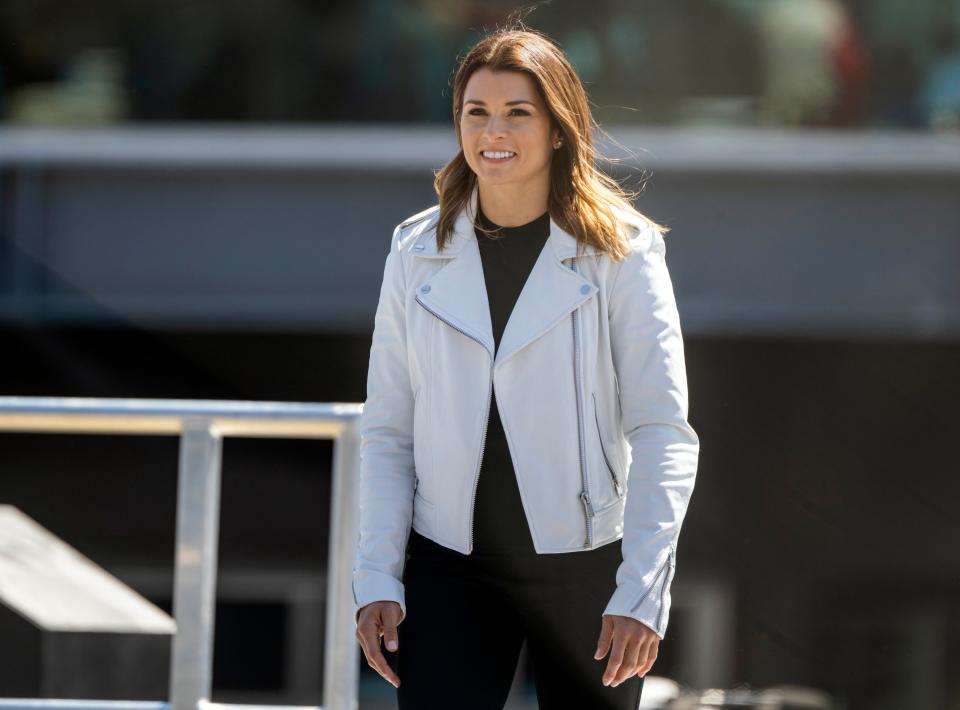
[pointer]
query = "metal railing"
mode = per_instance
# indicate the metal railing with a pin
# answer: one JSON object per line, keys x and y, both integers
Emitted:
{"x": 201, "y": 426}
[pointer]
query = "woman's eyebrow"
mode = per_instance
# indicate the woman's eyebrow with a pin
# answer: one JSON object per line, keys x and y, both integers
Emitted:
{"x": 509, "y": 103}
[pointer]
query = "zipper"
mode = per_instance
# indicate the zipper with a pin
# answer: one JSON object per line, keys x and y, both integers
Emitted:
{"x": 483, "y": 445}
{"x": 613, "y": 476}
{"x": 486, "y": 419}
{"x": 663, "y": 590}
{"x": 653, "y": 584}
{"x": 585, "y": 493}
{"x": 416, "y": 478}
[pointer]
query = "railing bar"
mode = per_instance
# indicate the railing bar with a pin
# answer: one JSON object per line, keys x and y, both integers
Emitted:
{"x": 177, "y": 407}
{"x": 341, "y": 671}
{"x": 198, "y": 513}
{"x": 108, "y": 704}
{"x": 67, "y": 704}
{"x": 195, "y": 575}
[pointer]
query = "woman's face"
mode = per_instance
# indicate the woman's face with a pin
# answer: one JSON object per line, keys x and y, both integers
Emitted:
{"x": 502, "y": 114}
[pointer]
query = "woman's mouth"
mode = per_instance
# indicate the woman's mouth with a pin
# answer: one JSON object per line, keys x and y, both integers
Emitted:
{"x": 497, "y": 156}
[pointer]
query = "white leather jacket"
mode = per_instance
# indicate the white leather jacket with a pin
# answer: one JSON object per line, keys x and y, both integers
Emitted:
{"x": 591, "y": 388}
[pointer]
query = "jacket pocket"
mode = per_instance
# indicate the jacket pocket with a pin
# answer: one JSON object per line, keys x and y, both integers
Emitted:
{"x": 614, "y": 479}
{"x": 424, "y": 514}
{"x": 420, "y": 453}
{"x": 417, "y": 432}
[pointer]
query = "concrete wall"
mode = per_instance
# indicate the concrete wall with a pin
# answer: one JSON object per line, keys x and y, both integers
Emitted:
{"x": 816, "y": 234}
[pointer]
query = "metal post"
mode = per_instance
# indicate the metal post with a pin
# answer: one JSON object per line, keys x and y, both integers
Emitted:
{"x": 201, "y": 426}
{"x": 195, "y": 575}
{"x": 341, "y": 670}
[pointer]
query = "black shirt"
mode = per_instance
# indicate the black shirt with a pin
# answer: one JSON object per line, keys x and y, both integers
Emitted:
{"x": 500, "y": 524}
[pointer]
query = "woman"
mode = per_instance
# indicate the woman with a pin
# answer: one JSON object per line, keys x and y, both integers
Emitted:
{"x": 526, "y": 459}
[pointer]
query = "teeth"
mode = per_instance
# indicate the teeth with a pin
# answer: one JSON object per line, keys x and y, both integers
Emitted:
{"x": 497, "y": 155}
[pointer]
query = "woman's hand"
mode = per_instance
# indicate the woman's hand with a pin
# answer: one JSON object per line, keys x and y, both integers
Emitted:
{"x": 635, "y": 647}
{"x": 373, "y": 621}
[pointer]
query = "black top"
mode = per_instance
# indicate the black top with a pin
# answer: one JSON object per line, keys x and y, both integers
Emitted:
{"x": 500, "y": 524}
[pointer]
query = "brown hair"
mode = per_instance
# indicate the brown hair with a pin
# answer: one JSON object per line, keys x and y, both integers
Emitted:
{"x": 583, "y": 200}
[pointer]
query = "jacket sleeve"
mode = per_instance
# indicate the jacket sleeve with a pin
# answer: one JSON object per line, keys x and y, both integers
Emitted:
{"x": 649, "y": 361}
{"x": 386, "y": 484}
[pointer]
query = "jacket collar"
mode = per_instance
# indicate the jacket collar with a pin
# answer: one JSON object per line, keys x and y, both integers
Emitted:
{"x": 424, "y": 238}
{"x": 457, "y": 294}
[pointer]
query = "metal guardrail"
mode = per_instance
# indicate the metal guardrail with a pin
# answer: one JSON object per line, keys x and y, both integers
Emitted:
{"x": 201, "y": 426}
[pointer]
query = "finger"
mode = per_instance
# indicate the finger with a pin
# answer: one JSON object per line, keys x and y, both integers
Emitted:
{"x": 364, "y": 636}
{"x": 363, "y": 645}
{"x": 648, "y": 656}
{"x": 370, "y": 635}
{"x": 391, "y": 638}
{"x": 381, "y": 666}
{"x": 363, "y": 642}
{"x": 606, "y": 636}
{"x": 631, "y": 659}
{"x": 616, "y": 657}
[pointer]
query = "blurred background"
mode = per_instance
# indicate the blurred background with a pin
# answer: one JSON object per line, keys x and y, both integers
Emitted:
{"x": 196, "y": 200}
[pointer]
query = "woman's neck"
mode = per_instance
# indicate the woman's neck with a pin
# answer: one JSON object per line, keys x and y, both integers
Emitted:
{"x": 506, "y": 206}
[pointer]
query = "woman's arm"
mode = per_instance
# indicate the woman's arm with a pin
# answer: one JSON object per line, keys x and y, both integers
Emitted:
{"x": 649, "y": 361}
{"x": 386, "y": 449}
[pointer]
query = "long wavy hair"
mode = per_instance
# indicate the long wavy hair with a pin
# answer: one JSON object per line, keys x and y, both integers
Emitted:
{"x": 583, "y": 201}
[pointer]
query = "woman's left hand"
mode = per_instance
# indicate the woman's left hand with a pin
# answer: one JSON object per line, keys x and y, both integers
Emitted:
{"x": 635, "y": 647}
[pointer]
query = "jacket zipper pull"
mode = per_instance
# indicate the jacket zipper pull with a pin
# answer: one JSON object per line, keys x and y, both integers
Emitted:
{"x": 588, "y": 506}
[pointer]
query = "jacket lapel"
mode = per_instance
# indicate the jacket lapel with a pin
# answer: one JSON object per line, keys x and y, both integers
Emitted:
{"x": 457, "y": 293}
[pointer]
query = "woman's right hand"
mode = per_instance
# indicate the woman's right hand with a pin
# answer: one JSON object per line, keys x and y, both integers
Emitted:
{"x": 373, "y": 621}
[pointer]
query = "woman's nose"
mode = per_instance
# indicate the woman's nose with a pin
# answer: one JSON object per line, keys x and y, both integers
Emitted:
{"x": 493, "y": 129}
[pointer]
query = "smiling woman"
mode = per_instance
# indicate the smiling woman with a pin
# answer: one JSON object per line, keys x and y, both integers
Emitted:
{"x": 534, "y": 294}
{"x": 516, "y": 92}
{"x": 508, "y": 139}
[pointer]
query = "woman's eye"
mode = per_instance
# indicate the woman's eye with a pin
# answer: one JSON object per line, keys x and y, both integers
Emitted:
{"x": 480, "y": 111}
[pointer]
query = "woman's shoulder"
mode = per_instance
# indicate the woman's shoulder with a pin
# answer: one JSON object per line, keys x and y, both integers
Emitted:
{"x": 415, "y": 224}
{"x": 642, "y": 234}
{"x": 426, "y": 214}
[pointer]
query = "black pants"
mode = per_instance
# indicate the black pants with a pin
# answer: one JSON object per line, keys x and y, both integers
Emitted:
{"x": 468, "y": 616}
